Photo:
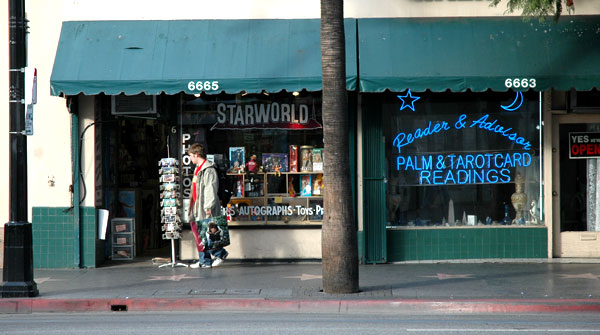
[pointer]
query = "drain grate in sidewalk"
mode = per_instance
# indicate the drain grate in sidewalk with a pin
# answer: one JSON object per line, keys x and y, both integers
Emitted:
{"x": 171, "y": 293}
{"x": 208, "y": 292}
{"x": 254, "y": 291}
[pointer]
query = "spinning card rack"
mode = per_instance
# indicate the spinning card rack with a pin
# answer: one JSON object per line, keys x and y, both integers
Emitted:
{"x": 169, "y": 194}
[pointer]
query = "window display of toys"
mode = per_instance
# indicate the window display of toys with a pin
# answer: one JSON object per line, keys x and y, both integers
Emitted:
{"x": 305, "y": 185}
{"x": 306, "y": 158}
{"x": 317, "y": 185}
{"x": 275, "y": 162}
{"x": 293, "y": 158}
{"x": 237, "y": 159}
{"x": 317, "y": 159}
{"x": 252, "y": 165}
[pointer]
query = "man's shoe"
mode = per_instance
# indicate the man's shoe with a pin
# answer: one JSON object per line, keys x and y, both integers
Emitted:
{"x": 195, "y": 265}
{"x": 204, "y": 266}
{"x": 217, "y": 262}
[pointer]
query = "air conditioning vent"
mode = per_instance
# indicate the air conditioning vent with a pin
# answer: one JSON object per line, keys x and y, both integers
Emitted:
{"x": 584, "y": 101}
{"x": 140, "y": 104}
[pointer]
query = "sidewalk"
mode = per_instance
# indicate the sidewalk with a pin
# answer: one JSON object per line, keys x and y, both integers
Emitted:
{"x": 533, "y": 286}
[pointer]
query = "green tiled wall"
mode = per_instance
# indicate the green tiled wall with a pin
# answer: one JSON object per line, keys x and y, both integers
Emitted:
{"x": 472, "y": 243}
{"x": 54, "y": 237}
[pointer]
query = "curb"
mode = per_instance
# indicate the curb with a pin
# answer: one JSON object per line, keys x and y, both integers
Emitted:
{"x": 29, "y": 305}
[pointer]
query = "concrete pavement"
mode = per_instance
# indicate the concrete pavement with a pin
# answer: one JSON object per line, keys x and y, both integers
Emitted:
{"x": 476, "y": 286}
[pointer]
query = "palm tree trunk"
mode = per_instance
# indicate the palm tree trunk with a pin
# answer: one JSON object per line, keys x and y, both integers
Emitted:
{"x": 338, "y": 236}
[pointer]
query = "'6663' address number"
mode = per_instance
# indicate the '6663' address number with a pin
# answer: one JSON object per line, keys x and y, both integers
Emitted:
{"x": 206, "y": 85}
{"x": 520, "y": 82}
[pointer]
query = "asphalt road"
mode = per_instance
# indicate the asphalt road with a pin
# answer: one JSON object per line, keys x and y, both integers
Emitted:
{"x": 296, "y": 323}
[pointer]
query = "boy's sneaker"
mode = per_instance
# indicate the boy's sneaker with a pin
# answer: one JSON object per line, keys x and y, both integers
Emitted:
{"x": 204, "y": 266}
{"x": 217, "y": 262}
{"x": 195, "y": 265}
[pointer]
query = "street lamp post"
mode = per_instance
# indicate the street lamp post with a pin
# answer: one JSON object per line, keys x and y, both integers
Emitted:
{"x": 17, "y": 274}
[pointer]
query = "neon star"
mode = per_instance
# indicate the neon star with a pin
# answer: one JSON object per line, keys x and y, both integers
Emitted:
{"x": 411, "y": 101}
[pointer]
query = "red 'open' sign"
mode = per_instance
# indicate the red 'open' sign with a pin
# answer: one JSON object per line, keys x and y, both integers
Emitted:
{"x": 584, "y": 145}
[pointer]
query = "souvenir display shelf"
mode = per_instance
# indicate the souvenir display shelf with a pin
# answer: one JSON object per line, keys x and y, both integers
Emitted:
{"x": 123, "y": 238}
{"x": 169, "y": 178}
{"x": 283, "y": 192}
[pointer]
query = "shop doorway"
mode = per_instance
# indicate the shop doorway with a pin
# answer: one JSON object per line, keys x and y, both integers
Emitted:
{"x": 576, "y": 190}
{"x": 130, "y": 184}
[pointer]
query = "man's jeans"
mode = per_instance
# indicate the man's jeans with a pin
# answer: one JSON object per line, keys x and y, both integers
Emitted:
{"x": 205, "y": 256}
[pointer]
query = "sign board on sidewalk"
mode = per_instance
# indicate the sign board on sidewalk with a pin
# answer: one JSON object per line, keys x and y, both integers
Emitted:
{"x": 584, "y": 145}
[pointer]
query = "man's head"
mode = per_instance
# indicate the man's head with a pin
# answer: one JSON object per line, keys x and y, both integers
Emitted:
{"x": 196, "y": 153}
{"x": 212, "y": 227}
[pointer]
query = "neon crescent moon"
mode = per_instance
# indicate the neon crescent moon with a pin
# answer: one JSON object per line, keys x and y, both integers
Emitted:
{"x": 515, "y": 104}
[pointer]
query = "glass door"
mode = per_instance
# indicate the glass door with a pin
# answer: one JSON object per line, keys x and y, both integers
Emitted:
{"x": 577, "y": 195}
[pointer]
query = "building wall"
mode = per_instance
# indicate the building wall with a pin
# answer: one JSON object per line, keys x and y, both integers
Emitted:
{"x": 467, "y": 243}
{"x": 49, "y": 149}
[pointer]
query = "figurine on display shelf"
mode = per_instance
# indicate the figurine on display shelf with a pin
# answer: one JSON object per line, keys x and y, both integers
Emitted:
{"x": 534, "y": 213}
{"x": 291, "y": 188}
{"x": 306, "y": 186}
{"x": 519, "y": 199}
{"x": 306, "y": 158}
{"x": 317, "y": 158}
{"x": 252, "y": 165}
{"x": 236, "y": 159}
{"x": 317, "y": 188}
{"x": 293, "y": 158}
{"x": 275, "y": 163}
{"x": 277, "y": 169}
{"x": 506, "y": 220}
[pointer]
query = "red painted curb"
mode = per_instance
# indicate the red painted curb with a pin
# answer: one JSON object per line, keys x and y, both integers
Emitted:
{"x": 33, "y": 305}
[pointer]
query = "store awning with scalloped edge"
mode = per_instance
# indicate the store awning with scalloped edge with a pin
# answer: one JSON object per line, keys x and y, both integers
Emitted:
{"x": 478, "y": 54}
{"x": 152, "y": 57}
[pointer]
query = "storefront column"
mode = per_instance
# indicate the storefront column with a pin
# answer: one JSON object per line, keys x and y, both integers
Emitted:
{"x": 373, "y": 181}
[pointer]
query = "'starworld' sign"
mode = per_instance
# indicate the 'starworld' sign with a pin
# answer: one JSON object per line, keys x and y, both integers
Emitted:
{"x": 272, "y": 115}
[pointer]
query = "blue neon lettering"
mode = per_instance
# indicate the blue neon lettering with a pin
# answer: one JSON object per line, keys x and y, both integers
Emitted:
{"x": 491, "y": 126}
{"x": 464, "y": 169}
{"x": 527, "y": 156}
{"x": 437, "y": 177}
{"x": 403, "y": 139}
{"x": 506, "y": 174}
{"x": 424, "y": 178}
{"x": 492, "y": 176}
{"x": 478, "y": 177}
{"x": 427, "y": 163}
{"x": 469, "y": 161}
{"x": 399, "y": 162}
{"x": 450, "y": 179}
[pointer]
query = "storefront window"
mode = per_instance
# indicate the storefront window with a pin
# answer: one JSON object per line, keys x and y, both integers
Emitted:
{"x": 462, "y": 159}
{"x": 269, "y": 149}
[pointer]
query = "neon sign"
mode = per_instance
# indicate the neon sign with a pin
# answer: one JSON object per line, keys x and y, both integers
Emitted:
{"x": 403, "y": 139}
{"x": 463, "y": 169}
{"x": 515, "y": 104}
{"x": 458, "y": 169}
{"x": 411, "y": 101}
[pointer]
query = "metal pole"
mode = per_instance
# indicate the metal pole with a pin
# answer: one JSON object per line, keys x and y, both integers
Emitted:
{"x": 17, "y": 274}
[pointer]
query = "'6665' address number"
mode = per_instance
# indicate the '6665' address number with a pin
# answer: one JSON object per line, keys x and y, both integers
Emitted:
{"x": 201, "y": 85}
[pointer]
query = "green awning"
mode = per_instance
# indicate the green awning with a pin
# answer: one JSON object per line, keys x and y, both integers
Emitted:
{"x": 478, "y": 53}
{"x": 151, "y": 57}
